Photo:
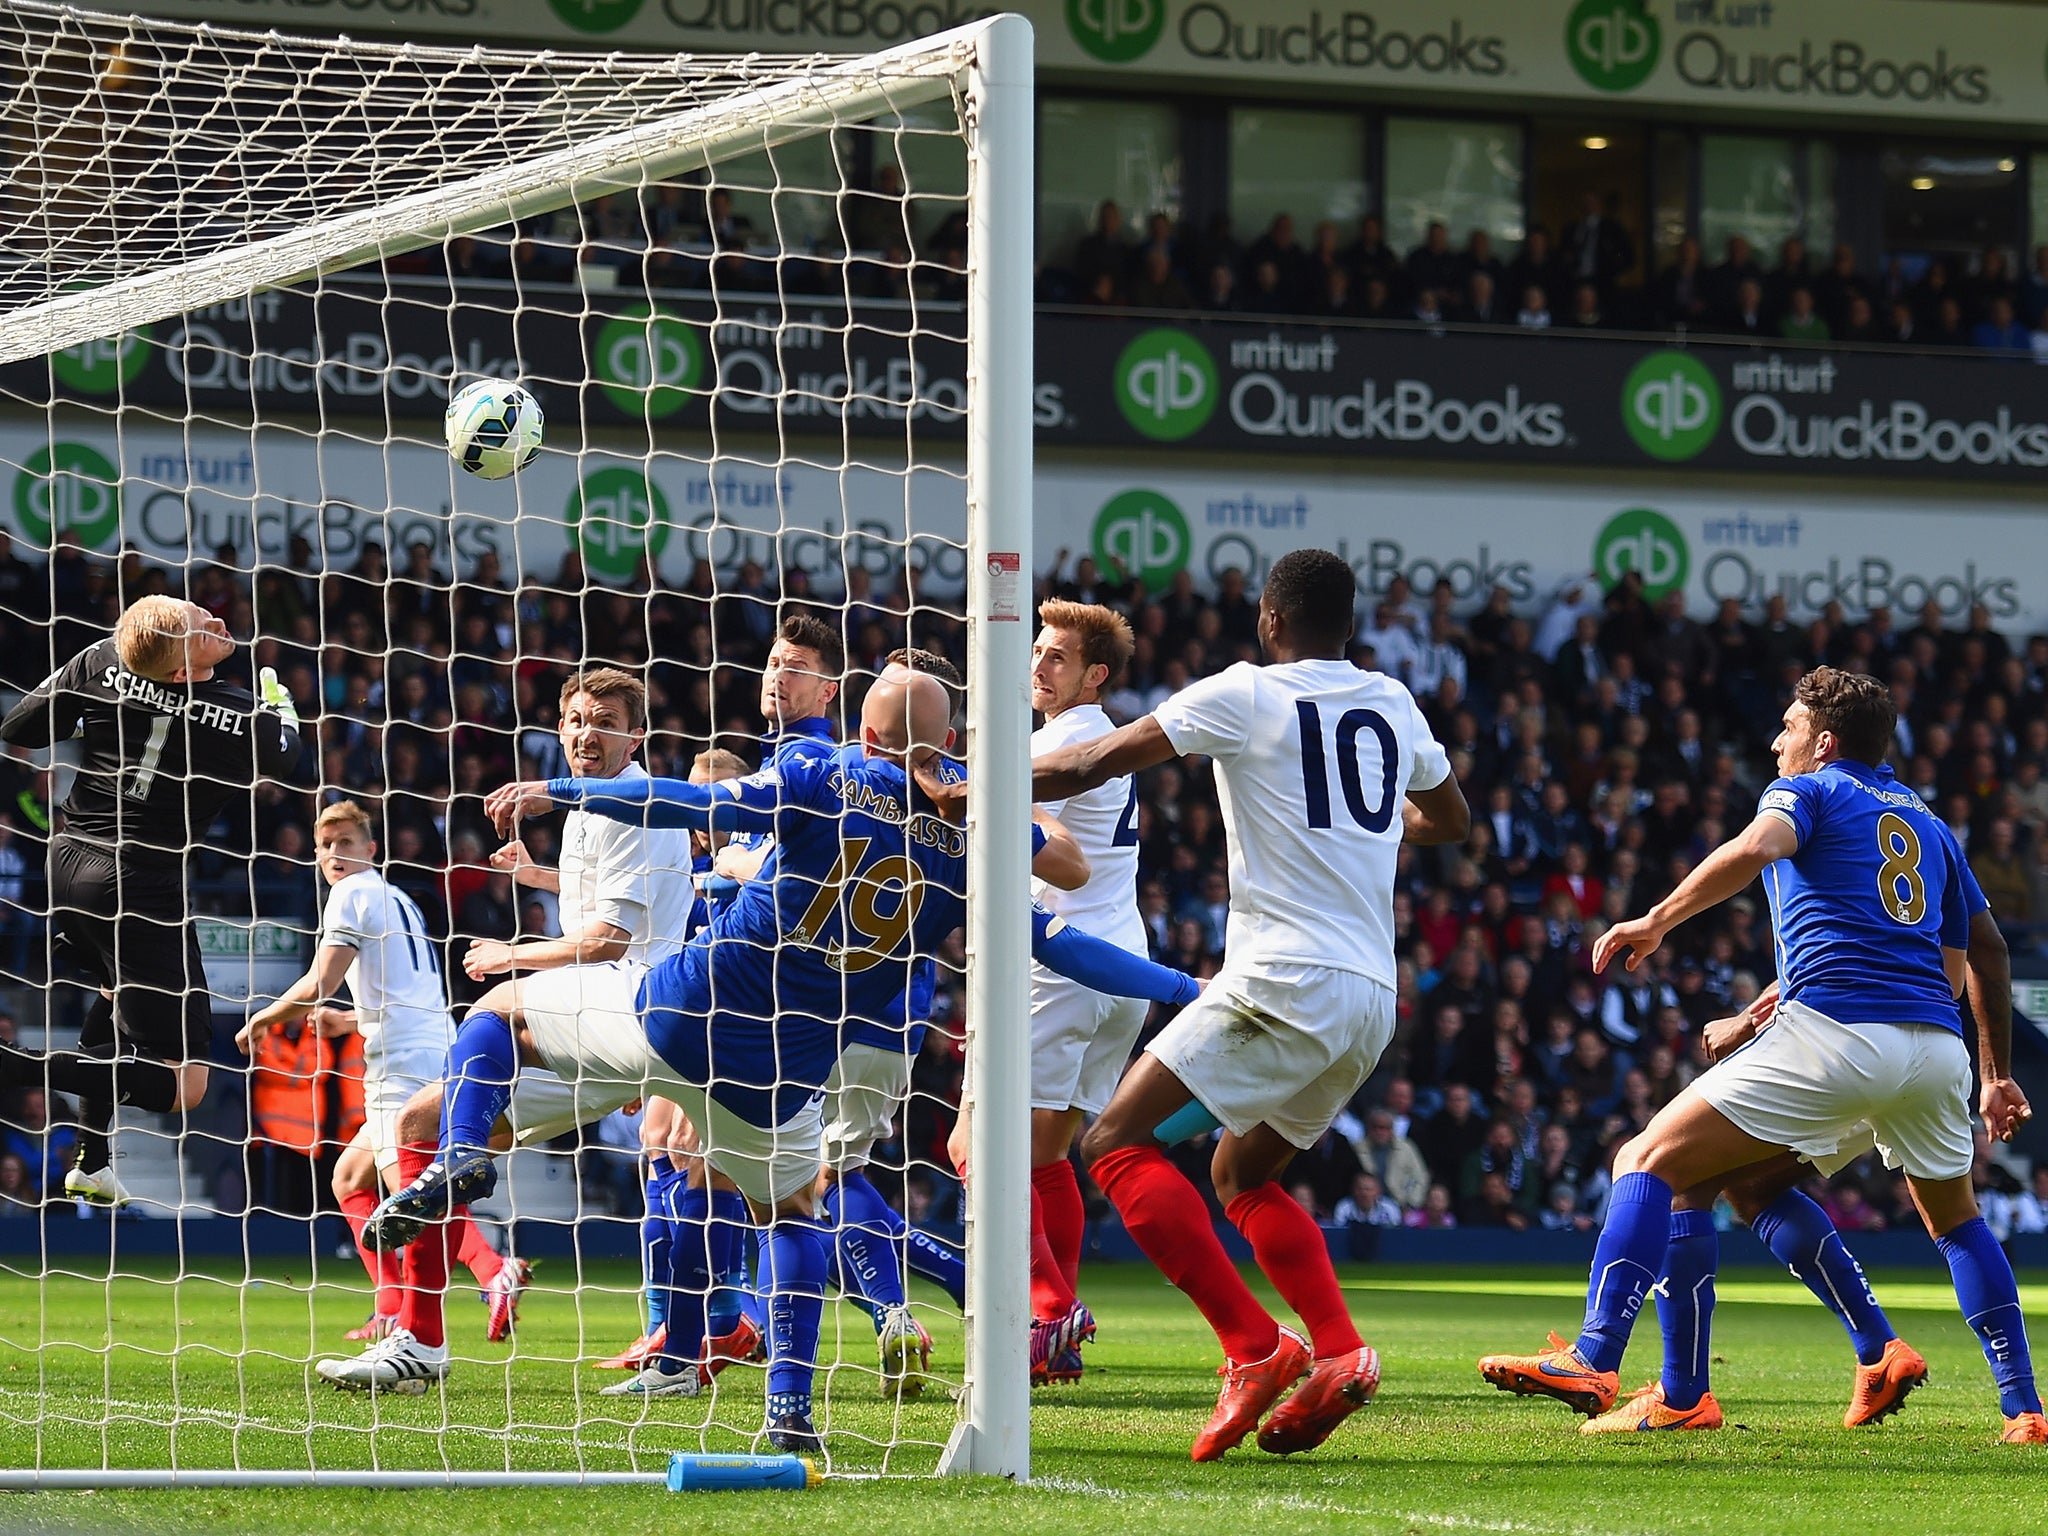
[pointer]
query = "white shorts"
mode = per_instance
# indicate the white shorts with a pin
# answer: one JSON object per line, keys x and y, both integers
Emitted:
{"x": 1081, "y": 1040}
{"x": 389, "y": 1082}
{"x": 585, "y": 1022}
{"x": 1285, "y": 1044}
{"x": 1810, "y": 1083}
{"x": 867, "y": 1087}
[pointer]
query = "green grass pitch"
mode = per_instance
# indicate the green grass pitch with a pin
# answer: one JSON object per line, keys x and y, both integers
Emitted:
{"x": 1438, "y": 1452}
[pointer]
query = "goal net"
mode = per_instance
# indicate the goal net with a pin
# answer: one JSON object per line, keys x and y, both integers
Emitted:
{"x": 776, "y": 313}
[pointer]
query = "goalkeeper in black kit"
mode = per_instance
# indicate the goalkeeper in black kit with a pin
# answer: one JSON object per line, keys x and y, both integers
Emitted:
{"x": 166, "y": 745}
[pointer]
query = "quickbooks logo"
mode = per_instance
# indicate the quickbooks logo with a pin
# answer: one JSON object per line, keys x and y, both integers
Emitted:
{"x": 1145, "y": 533}
{"x": 617, "y": 515}
{"x": 595, "y": 15}
{"x": 1166, "y": 384}
{"x": 647, "y": 362}
{"x": 68, "y": 488}
{"x": 103, "y": 365}
{"x": 1116, "y": 31}
{"x": 1646, "y": 542}
{"x": 1671, "y": 405}
{"x": 1613, "y": 44}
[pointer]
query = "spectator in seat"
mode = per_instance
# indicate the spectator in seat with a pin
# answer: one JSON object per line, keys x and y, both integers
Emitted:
{"x": 1562, "y": 1213}
{"x": 1432, "y": 264}
{"x": 1393, "y": 1159}
{"x": 1104, "y": 250}
{"x": 1368, "y": 1205}
{"x": 1859, "y": 322}
{"x": 1219, "y": 291}
{"x": 1746, "y": 319}
{"x": 1493, "y": 1205}
{"x": 2003, "y": 875}
{"x": 1279, "y": 248}
{"x": 1451, "y": 1135}
{"x": 1724, "y": 283}
{"x": 1835, "y": 288}
{"x": 1947, "y": 328}
{"x": 1801, "y": 321}
{"x": 1436, "y": 1213}
{"x": 1681, "y": 299}
{"x": 2000, "y": 330}
{"x": 1535, "y": 266}
{"x": 1586, "y": 314}
{"x": 1157, "y": 285}
{"x": 1482, "y": 306}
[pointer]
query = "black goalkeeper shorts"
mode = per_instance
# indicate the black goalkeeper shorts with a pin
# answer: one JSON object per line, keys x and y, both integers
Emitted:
{"x": 128, "y": 925}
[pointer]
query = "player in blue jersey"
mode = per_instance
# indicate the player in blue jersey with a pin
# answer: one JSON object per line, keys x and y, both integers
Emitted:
{"x": 1873, "y": 918}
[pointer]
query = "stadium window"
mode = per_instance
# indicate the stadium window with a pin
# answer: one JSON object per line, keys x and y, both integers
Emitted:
{"x": 1308, "y": 164}
{"x": 1749, "y": 186}
{"x": 1951, "y": 201}
{"x": 1092, "y": 150}
{"x": 1671, "y": 171}
{"x": 2037, "y": 198}
{"x": 1462, "y": 173}
{"x": 1820, "y": 199}
{"x": 784, "y": 198}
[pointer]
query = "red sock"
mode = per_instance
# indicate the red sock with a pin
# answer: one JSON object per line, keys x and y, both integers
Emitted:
{"x": 387, "y": 1270}
{"x": 1051, "y": 1297}
{"x": 1290, "y": 1249}
{"x": 471, "y": 1250}
{"x": 1167, "y": 1219}
{"x": 1066, "y": 1218}
{"x": 426, "y": 1260}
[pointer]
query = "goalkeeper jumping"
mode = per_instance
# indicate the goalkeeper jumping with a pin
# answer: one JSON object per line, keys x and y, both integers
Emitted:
{"x": 166, "y": 745}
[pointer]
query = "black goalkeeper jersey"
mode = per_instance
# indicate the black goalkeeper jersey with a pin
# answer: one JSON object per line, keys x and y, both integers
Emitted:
{"x": 161, "y": 760}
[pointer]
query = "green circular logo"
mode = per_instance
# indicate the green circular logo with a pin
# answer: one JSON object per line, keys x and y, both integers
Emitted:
{"x": 101, "y": 366}
{"x": 69, "y": 488}
{"x": 1166, "y": 384}
{"x": 647, "y": 362}
{"x": 1116, "y": 31}
{"x": 1646, "y": 542}
{"x": 1145, "y": 533}
{"x": 595, "y": 15}
{"x": 617, "y": 515}
{"x": 1613, "y": 44}
{"x": 1671, "y": 405}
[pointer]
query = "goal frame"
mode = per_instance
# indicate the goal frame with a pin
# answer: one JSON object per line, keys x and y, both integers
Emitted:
{"x": 988, "y": 65}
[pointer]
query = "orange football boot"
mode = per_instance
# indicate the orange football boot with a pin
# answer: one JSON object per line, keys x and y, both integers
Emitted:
{"x": 2025, "y": 1429}
{"x": 1558, "y": 1372}
{"x": 638, "y": 1353}
{"x": 1881, "y": 1388}
{"x": 1248, "y": 1391}
{"x": 1646, "y": 1410}
{"x": 1336, "y": 1388}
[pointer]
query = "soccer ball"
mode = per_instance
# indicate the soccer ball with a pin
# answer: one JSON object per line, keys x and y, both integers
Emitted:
{"x": 494, "y": 428}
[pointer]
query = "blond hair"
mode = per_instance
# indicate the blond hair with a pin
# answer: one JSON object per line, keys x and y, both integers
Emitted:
{"x": 1106, "y": 639}
{"x": 603, "y": 683}
{"x": 345, "y": 813}
{"x": 720, "y": 764}
{"x": 150, "y": 637}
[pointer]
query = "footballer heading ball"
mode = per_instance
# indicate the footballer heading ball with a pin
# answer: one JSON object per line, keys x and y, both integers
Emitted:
{"x": 494, "y": 428}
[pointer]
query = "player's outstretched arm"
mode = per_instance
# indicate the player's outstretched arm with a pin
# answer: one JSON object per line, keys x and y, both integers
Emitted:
{"x": 1102, "y": 967}
{"x": 1439, "y": 815}
{"x": 1080, "y": 766}
{"x": 593, "y": 945}
{"x": 278, "y": 747}
{"x": 518, "y": 863}
{"x": 302, "y": 997}
{"x": 1987, "y": 983}
{"x": 735, "y": 805}
{"x": 1060, "y": 862}
{"x": 1725, "y": 872}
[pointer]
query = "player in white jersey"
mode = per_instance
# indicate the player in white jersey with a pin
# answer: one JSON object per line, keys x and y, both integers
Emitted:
{"x": 625, "y": 897}
{"x": 1080, "y": 1039}
{"x": 1322, "y": 769}
{"x": 373, "y": 937}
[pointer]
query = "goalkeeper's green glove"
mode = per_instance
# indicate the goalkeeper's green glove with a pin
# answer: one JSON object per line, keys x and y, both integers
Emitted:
{"x": 275, "y": 696}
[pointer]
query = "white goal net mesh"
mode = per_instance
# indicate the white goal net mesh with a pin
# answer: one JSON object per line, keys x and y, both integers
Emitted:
{"x": 240, "y": 277}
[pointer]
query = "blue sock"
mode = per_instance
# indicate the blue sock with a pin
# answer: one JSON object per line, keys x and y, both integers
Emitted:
{"x": 1685, "y": 1305}
{"x": 1799, "y": 1233}
{"x": 1990, "y": 1299}
{"x": 687, "y": 1280}
{"x": 655, "y": 1238}
{"x": 730, "y": 1221}
{"x": 866, "y": 1242}
{"x": 796, "y": 1254}
{"x": 483, "y": 1063}
{"x": 1626, "y": 1263}
{"x": 935, "y": 1262}
{"x": 752, "y": 1294}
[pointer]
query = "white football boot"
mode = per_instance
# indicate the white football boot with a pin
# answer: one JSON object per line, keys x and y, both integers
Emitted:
{"x": 398, "y": 1363}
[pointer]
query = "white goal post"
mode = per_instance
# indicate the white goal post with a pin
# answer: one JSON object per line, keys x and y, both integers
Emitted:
{"x": 415, "y": 147}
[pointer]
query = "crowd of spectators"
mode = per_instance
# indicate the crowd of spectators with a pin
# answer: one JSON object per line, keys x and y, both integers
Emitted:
{"x": 1581, "y": 279}
{"x": 1605, "y": 742}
